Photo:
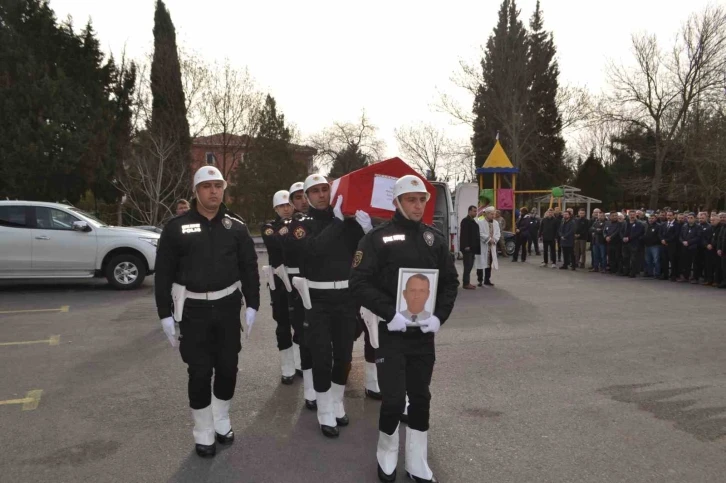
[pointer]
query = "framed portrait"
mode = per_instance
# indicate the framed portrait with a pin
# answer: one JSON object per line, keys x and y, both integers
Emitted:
{"x": 416, "y": 299}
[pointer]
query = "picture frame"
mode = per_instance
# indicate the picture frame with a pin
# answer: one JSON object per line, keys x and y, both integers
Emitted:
{"x": 410, "y": 292}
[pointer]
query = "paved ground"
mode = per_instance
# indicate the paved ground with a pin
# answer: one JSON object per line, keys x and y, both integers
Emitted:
{"x": 550, "y": 377}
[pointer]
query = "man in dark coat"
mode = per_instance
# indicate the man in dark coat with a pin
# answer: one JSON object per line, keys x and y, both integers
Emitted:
{"x": 470, "y": 245}
{"x": 567, "y": 240}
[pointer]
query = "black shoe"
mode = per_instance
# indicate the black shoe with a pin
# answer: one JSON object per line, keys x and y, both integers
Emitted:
{"x": 479, "y": 284}
{"x": 514, "y": 259}
{"x": 421, "y": 480}
{"x": 329, "y": 431}
{"x": 311, "y": 405}
{"x": 225, "y": 439}
{"x": 384, "y": 477}
{"x": 563, "y": 267}
{"x": 287, "y": 380}
{"x": 488, "y": 284}
{"x": 404, "y": 418}
{"x": 723, "y": 285}
{"x": 344, "y": 421}
{"x": 374, "y": 395}
{"x": 206, "y": 451}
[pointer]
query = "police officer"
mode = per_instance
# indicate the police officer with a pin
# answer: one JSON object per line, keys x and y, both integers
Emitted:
{"x": 405, "y": 355}
{"x": 326, "y": 242}
{"x": 278, "y": 294}
{"x": 205, "y": 258}
{"x": 303, "y": 358}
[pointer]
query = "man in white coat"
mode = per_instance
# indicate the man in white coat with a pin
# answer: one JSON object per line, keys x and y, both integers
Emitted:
{"x": 489, "y": 234}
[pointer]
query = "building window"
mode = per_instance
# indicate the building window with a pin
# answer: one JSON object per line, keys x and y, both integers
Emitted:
{"x": 211, "y": 159}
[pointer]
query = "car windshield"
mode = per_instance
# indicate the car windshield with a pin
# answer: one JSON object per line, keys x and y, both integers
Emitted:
{"x": 91, "y": 218}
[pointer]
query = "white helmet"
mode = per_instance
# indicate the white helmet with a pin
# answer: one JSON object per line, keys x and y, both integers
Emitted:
{"x": 282, "y": 197}
{"x": 208, "y": 173}
{"x": 409, "y": 184}
{"x": 313, "y": 180}
{"x": 299, "y": 186}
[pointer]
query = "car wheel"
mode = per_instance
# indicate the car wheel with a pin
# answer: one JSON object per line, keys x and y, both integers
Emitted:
{"x": 510, "y": 246}
{"x": 125, "y": 272}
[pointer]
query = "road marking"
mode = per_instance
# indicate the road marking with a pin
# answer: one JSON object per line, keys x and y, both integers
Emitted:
{"x": 54, "y": 340}
{"x": 63, "y": 308}
{"x": 29, "y": 402}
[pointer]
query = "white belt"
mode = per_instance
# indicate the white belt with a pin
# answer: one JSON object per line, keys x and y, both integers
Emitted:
{"x": 219, "y": 294}
{"x": 293, "y": 270}
{"x": 341, "y": 284}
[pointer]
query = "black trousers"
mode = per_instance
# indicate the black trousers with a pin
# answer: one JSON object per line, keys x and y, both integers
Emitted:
{"x": 687, "y": 257}
{"x": 614, "y": 257}
{"x": 468, "y": 265}
{"x": 297, "y": 318}
{"x": 699, "y": 263}
{"x": 533, "y": 242}
{"x": 209, "y": 343}
{"x": 549, "y": 248}
{"x": 369, "y": 353}
{"x": 520, "y": 243}
{"x": 637, "y": 254}
{"x": 713, "y": 266}
{"x": 480, "y": 275}
{"x": 329, "y": 334}
{"x": 625, "y": 262}
{"x": 568, "y": 257}
{"x": 558, "y": 241}
{"x": 405, "y": 362}
{"x": 281, "y": 315}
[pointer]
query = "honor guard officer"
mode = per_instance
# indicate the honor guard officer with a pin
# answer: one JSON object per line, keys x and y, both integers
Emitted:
{"x": 278, "y": 293}
{"x": 326, "y": 242}
{"x": 205, "y": 258}
{"x": 303, "y": 359}
{"x": 405, "y": 356}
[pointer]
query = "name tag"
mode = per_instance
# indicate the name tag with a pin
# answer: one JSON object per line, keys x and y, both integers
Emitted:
{"x": 392, "y": 238}
{"x": 191, "y": 228}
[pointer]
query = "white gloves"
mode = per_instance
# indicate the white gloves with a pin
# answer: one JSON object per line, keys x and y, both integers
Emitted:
{"x": 250, "y": 319}
{"x": 168, "y": 325}
{"x": 432, "y": 324}
{"x": 398, "y": 323}
{"x": 364, "y": 220}
{"x": 337, "y": 210}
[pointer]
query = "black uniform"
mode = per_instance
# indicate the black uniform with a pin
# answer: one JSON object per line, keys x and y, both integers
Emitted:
{"x": 405, "y": 360}
{"x": 612, "y": 231}
{"x": 699, "y": 266}
{"x": 692, "y": 235}
{"x": 279, "y": 296}
{"x": 713, "y": 261}
{"x": 206, "y": 256}
{"x": 325, "y": 245}
{"x": 669, "y": 235}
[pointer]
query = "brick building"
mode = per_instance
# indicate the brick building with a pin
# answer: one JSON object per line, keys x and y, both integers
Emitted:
{"x": 227, "y": 151}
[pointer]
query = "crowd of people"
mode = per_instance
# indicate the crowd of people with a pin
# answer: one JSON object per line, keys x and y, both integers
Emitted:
{"x": 666, "y": 244}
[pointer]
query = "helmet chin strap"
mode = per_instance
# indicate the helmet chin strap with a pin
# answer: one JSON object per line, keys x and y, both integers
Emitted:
{"x": 200, "y": 201}
{"x": 397, "y": 202}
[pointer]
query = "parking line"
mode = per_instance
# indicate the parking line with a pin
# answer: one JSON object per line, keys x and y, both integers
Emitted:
{"x": 63, "y": 308}
{"x": 54, "y": 340}
{"x": 29, "y": 402}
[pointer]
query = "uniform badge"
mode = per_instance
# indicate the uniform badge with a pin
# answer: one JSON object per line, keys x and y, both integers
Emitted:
{"x": 357, "y": 258}
{"x": 299, "y": 232}
{"x": 269, "y": 232}
{"x": 429, "y": 238}
{"x": 227, "y": 223}
{"x": 283, "y": 231}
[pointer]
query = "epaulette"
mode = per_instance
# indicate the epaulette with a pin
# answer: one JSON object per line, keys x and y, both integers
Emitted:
{"x": 431, "y": 227}
{"x": 380, "y": 227}
{"x": 235, "y": 217}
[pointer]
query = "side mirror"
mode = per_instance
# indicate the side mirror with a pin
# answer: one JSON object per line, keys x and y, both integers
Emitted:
{"x": 81, "y": 226}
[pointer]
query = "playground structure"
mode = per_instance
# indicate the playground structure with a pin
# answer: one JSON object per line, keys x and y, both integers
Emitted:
{"x": 498, "y": 165}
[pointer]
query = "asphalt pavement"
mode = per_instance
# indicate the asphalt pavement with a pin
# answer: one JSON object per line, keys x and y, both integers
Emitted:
{"x": 551, "y": 376}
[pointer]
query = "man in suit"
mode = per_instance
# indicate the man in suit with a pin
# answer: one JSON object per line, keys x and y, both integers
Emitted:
{"x": 416, "y": 293}
{"x": 633, "y": 240}
{"x": 469, "y": 244}
{"x": 669, "y": 234}
{"x": 690, "y": 239}
{"x": 567, "y": 239}
{"x": 613, "y": 239}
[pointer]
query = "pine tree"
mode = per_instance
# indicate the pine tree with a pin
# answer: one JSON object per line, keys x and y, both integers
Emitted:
{"x": 348, "y": 160}
{"x": 268, "y": 167}
{"x": 169, "y": 125}
{"x": 548, "y": 159}
{"x": 502, "y": 99}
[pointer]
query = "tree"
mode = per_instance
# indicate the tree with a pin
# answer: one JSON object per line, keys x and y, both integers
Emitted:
{"x": 542, "y": 110}
{"x": 500, "y": 105}
{"x": 347, "y": 161}
{"x": 592, "y": 178}
{"x": 431, "y": 153}
{"x": 62, "y": 127}
{"x": 333, "y": 141}
{"x": 269, "y": 166}
{"x": 658, "y": 92}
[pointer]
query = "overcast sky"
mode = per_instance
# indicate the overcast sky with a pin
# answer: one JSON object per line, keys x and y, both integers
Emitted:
{"x": 325, "y": 61}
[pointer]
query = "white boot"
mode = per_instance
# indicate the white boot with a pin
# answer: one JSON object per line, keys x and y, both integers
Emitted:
{"x": 308, "y": 388}
{"x": 326, "y": 416}
{"x": 416, "y": 454}
{"x": 220, "y": 410}
{"x": 203, "y": 426}
{"x": 372, "y": 378}
{"x": 287, "y": 363}
{"x": 387, "y": 452}
{"x": 338, "y": 392}
{"x": 296, "y": 354}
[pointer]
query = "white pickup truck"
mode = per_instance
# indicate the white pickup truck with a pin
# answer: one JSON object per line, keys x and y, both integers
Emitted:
{"x": 41, "y": 240}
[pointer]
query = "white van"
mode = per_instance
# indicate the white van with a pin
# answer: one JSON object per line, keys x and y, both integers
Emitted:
{"x": 444, "y": 214}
